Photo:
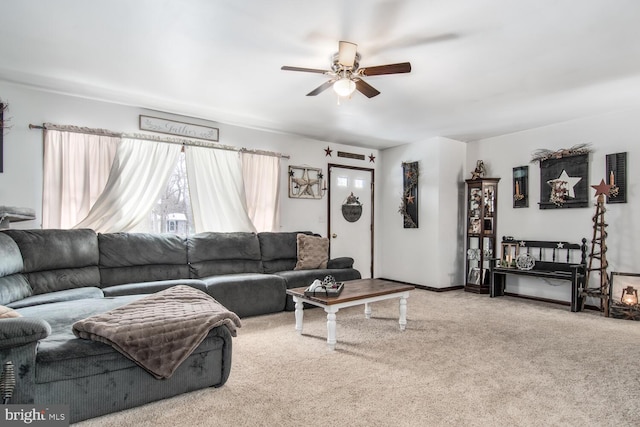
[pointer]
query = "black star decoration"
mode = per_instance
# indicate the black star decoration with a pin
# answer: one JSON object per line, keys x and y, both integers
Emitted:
{"x": 372, "y": 158}
{"x": 328, "y": 151}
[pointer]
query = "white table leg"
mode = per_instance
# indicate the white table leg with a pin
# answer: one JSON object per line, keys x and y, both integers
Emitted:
{"x": 299, "y": 314}
{"x": 367, "y": 310}
{"x": 331, "y": 327}
{"x": 403, "y": 311}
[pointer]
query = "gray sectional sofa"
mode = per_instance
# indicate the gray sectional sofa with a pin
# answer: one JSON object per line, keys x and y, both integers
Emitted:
{"x": 53, "y": 278}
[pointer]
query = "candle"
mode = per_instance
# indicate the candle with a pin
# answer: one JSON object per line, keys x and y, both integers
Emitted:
{"x": 517, "y": 188}
{"x": 611, "y": 180}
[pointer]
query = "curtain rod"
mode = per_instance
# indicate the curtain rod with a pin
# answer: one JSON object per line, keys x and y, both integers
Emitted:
{"x": 181, "y": 141}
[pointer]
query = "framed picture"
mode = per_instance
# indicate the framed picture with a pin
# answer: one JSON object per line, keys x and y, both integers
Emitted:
{"x": 488, "y": 225}
{"x": 474, "y": 276}
{"x": 564, "y": 182}
{"x": 621, "y": 281}
{"x": 629, "y": 285}
{"x": 474, "y": 226}
{"x": 409, "y": 206}
{"x": 616, "y": 167}
{"x": 306, "y": 183}
{"x": 521, "y": 187}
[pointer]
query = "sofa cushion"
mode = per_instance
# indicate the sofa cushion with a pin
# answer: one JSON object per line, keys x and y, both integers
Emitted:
{"x": 62, "y": 356}
{"x": 340, "y": 262}
{"x": 55, "y": 260}
{"x": 10, "y": 256}
{"x": 13, "y": 284}
{"x": 213, "y": 253}
{"x": 141, "y": 257}
{"x": 279, "y": 250}
{"x": 313, "y": 252}
{"x": 151, "y": 287}
{"x": 248, "y": 294}
{"x": 58, "y": 296}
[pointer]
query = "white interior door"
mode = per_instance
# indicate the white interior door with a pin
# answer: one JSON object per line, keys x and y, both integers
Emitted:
{"x": 349, "y": 236}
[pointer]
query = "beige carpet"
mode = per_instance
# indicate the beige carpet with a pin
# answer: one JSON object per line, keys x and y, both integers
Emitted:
{"x": 464, "y": 360}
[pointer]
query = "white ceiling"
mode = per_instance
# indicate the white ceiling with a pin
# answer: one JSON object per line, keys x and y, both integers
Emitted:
{"x": 480, "y": 67}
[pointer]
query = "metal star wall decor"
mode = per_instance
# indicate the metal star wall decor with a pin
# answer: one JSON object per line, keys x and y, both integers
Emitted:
{"x": 306, "y": 183}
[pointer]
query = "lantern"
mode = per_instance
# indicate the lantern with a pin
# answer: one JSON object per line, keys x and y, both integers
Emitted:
{"x": 629, "y": 296}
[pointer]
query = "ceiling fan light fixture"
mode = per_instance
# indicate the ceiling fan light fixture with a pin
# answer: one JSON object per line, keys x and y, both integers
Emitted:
{"x": 344, "y": 87}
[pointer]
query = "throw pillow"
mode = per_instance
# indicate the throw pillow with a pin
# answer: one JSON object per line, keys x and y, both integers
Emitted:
{"x": 6, "y": 312}
{"x": 313, "y": 252}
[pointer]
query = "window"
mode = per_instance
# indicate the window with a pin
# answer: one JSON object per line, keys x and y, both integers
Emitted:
{"x": 144, "y": 186}
{"x": 172, "y": 213}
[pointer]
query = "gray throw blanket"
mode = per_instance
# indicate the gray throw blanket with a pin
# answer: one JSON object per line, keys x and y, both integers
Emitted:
{"x": 161, "y": 330}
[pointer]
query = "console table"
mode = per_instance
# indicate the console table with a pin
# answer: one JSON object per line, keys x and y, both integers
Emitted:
{"x": 551, "y": 260}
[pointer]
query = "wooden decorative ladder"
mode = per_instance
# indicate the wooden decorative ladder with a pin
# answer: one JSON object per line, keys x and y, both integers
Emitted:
{"x": 598, "y": 260}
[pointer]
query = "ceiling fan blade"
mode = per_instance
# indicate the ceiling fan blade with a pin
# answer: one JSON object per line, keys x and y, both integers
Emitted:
{"x": 366, "y": 89}
{"x": 347, "y": 53}
{"x": 402, "y": 67}
{"x": 321, "y": 88}
{"x": 306, "y": 70}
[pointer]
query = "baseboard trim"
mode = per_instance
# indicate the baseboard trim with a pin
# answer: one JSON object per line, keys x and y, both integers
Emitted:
{"x": 426, "y": 288}
{"x": 552, "y": 301}
{"x": 510, "y": 294}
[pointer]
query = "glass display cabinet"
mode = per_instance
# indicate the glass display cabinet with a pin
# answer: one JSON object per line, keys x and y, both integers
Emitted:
{"x": 481, "y": 226}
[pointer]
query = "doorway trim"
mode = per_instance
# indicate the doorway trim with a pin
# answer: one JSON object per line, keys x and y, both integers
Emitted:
{"x": 373, "y": 176}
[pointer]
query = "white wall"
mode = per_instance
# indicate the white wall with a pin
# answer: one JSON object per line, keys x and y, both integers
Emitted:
{"x": 21, "y": 182}
{"x": 607, "y": 134}
{"x": 429, "y": 255}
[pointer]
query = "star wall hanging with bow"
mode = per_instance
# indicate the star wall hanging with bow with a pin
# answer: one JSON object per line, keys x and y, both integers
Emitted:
{"x": 564, "y": 178}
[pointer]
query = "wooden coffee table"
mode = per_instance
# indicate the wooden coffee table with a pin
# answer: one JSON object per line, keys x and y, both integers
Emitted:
{"x": 355, "y": 292}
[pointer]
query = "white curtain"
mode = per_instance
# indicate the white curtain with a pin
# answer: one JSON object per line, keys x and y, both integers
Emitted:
{"x": 217, "y": 190}
{"x": 76, "y": 169}
{"x": 261, "y": 176}
{"x": 139, "y": 173}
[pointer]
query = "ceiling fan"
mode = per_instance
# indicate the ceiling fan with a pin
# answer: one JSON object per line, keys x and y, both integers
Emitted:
{"x": 346, "y": 75}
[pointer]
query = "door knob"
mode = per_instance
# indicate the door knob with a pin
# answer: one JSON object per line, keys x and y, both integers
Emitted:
{"x": 334, "y": 235}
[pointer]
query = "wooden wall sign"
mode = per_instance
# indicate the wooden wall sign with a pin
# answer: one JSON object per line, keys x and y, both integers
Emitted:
{"x": 409, "y": 204}
{"x": 564, "y": 182}
{"x": 350, "y": 155}
{"x": 172, "y": 127}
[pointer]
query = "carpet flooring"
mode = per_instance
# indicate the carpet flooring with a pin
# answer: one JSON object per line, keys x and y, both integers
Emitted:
{"x": 464, "y": 360}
